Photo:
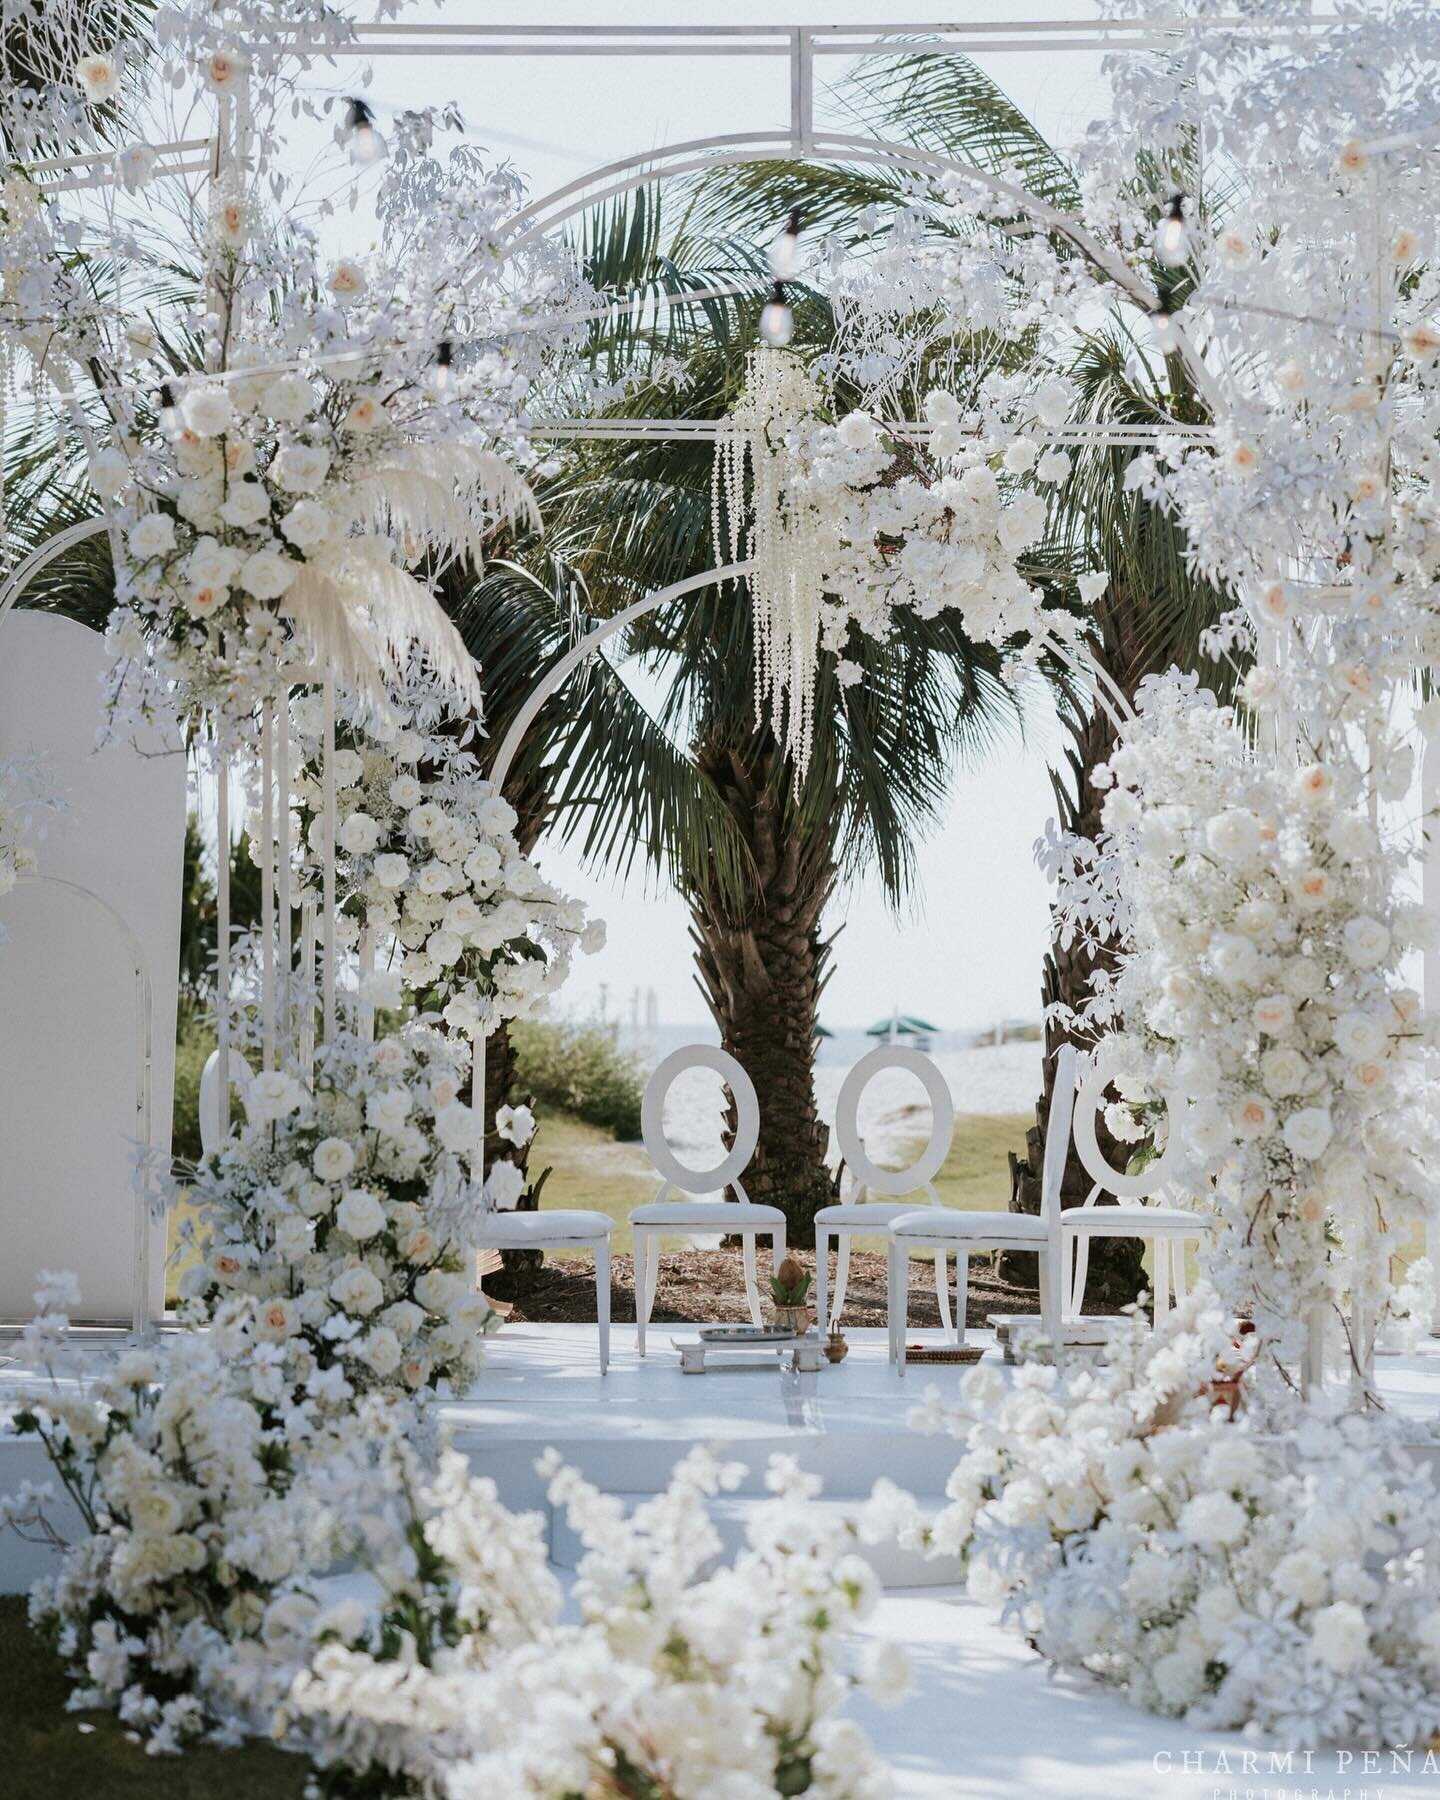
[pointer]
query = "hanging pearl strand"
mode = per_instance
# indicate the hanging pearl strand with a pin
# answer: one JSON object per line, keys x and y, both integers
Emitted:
{"x": 780, "y": 401}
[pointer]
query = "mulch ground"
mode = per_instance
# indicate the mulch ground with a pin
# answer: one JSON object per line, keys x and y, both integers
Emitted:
{"x": 708, "y": 1287}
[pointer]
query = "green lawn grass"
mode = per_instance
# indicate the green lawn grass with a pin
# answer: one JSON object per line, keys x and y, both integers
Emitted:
{"x": 591, "y": 1170}
{"x": 49, "y": 1754}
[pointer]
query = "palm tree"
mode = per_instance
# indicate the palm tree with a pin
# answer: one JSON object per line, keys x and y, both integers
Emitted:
{"x": 1154, "y": 611}
{"x": 757, "y": 851}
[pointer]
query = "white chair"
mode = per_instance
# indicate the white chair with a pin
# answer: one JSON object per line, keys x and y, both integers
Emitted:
{"x": 560, "y": 1229}
{"x": 1166, "y": 1229}
{"x": 211, "y": 1136}
{"x": 860, "y": 1216}
{"x": 650, "y": 1223}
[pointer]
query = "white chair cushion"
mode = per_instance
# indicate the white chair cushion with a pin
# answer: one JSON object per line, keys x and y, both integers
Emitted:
{"x": 1137, "y": 1221}
{"x": 947, "y": 1224}
{"x": 728, "y": 1215}
{"x": 862, "y": 1216}
{"x": 514, "y": 1230}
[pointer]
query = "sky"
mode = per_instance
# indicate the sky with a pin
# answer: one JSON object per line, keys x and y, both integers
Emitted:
{"x": 967, "y": 949}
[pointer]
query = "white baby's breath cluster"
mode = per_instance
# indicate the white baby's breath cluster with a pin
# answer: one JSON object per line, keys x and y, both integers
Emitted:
{"x": 1260, "y": 987}
{"x": 1215, "y": 1570}
{"x": 180, "y": 1460}
{"x": 679, "y": 1678}
{"x": 345, "y": 1210}
{"x": 426, "y": 860}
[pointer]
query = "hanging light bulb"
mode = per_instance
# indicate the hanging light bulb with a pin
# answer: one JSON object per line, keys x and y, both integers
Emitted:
{"x": 1172, "y": 241}
{"x": 169, "y": 413}
{"x": 443, "y": 361}
{"x": 785, "y": 251}
{"x": 777, "y": 322}
{"x": 367, "y": 145}
{"x": 1162, "y": 323}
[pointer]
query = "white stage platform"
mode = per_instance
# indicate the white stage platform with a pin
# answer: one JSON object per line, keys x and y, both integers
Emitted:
{"x": 986, "y": 1718}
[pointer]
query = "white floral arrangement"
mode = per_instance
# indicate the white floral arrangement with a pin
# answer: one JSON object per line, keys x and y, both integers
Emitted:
{"x": 346, "y": 1211}
{"x": 1261, "y": 990}
{"x": 675, "y": 1680}
{"x": 181, "y": 1460}
{"x": 427, "y": 861}
{"x": 848, "y": 523}
{"x": 1281, "y": 1573}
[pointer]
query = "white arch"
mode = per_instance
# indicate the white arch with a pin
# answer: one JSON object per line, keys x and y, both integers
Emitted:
{"x": 40, "y": 558}
{"x": 696, "y": 154}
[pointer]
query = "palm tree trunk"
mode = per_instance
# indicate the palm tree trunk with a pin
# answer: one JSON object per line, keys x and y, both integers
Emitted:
{"x": 762, "y": 970}
{"x": 1115, "y": 1274}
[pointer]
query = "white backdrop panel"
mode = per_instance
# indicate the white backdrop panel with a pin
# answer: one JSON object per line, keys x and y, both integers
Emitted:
{"x": 69, "y": 1026}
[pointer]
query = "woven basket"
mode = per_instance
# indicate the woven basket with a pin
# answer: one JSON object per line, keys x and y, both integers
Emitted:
{"x": 948, "y": 1353}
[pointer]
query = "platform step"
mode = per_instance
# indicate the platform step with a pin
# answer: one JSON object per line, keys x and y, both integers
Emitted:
{"x": 895, "y": 1566}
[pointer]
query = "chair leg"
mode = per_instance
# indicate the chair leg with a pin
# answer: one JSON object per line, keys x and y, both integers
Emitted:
{"x": 752, "y": 1293}
{"x": 642, "y": 1256}
{"x": 822, "y": 1272}
{"x": 1072, "y": 1302}
{"x": 942, "y": 1286}
{"x": 602, "y": 1299}
{"x": 1179, "y": 1273}
{"x": 652, "y": 1275}
{"x": 1052, "y": 1277}
{"x": 777, "y": 1248}
{"x": 898, "y": 1271}
{"x": 962, "y": 1293}
{"x": 1160, "y": 1261}
{"x": 842, "y": 1275}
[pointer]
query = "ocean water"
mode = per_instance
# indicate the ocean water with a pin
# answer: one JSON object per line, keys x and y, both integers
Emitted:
{"x": 894, "y": 1110}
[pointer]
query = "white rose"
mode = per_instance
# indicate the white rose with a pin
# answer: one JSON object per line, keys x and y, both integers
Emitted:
{"x": 1300, "y": 1575}
{"x": 349, "y": 766}
{"x": 1314, "y": 785}
{"x": 1341, "y": 1636}
{"x": 267, "y": 574}
{"x": 273, "y": 1094}
{"x": 482, "y": 865}
{"x": 206, "y": 410}
{"x": 1360, "y": 1035}
{"x": 1253, "y": 1117}
{"x": 212, "y": 564}
{"x": 246, "y": 504}
{"x": 1235, "y": 960}
{"x": 289, "y": 399}
{"x": 346, "y": 281}
{"x": 366, "y": 414}
{"x": 1051, "y": 404}
{"x": 300, "y": 468}
{"x": 380, "y": 1350}
{"x": 357, "y": 1290}
{"x": 152, "y": 536}
{"x": 1020, "y": 457}
{"x": 1233, "y": 835}
{"x": 109, "y": 473}
{"x": 388, "y": 1110}
{"x": 457, "y": 1126}
{"x": 360, "y": 1214}
{"x": 391, "y": 870}
{"x": 155, "y": 1511}
{"x": 1273, "y": 1014}
{"x": 1283, "y": 1070}
{"x": 333, "y": 1159}
{"x": 1307, "y": 1132}
{"x": 359, "y": 834}
{"x": 406, "y": 791}
{"x": 1053, "y": 467}
{"x": 1212, "y": 1519}
{"x": 503, "y": 1186}
{"x": 276, "y": 1318}
{"x": 436, "y": 1289}
{"x": 97, "y": 76}
{"x": 1367, "y": 942}
{"x": 856, "y": 431}
{"x": 292, "y": 1237}
{"x": 308, "y": 524}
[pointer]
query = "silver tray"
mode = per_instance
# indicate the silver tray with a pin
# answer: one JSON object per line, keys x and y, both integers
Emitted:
{"x": 745, "y": 1334}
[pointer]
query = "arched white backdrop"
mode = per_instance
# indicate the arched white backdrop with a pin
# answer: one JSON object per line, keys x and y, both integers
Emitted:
{"x": 94, "y": 947}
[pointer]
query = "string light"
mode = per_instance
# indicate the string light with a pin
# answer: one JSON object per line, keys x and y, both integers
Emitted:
{"x": 443, "y": 359}
{"x": 785, "y": 251}
{"x": 367, "y": 145}
{"x": 777, "y": 321}
{"x": 1172, "y": 240}
{"x": 1162, "y": 323}
{"x": 169, "y": 415}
